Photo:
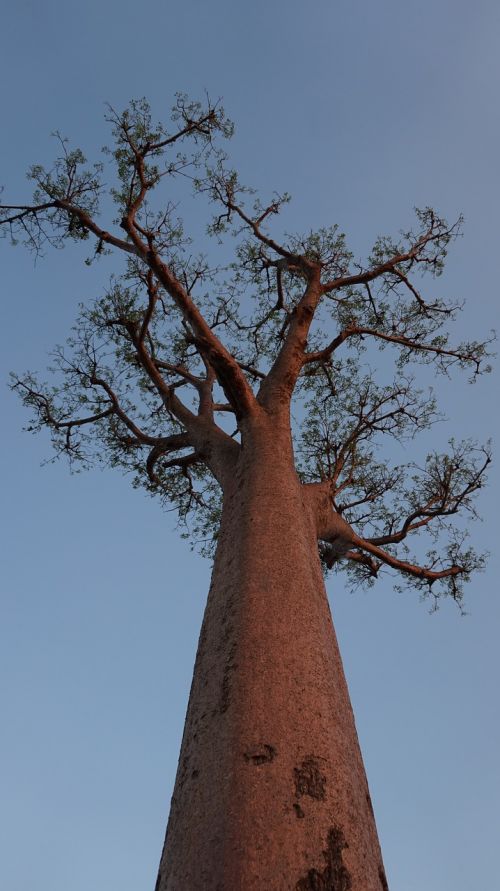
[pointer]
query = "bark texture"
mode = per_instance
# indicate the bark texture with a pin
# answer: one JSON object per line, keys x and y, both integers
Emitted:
{"x": 271, "y": 791}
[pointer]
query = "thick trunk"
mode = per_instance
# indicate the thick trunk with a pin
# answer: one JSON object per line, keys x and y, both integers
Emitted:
{"x": 271, "y": 793}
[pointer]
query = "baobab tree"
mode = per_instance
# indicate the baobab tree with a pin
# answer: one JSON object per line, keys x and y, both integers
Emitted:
{"x": 239, "y": 384}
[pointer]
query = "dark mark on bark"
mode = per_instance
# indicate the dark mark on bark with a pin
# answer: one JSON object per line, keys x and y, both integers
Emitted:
{"x": 229, "y": 667}
{"x": 383, "y": 880}
{"x": 335, "y": 876}
{"x": 298, "y": 811}
{"x": 370, "y": 805}
{"x": 224, "y": 696}
{"x": 183, "y": 770}
{"x": 309, "y": 780}
{"x": 195, "y": 774}
{"x": 260, "y": 754}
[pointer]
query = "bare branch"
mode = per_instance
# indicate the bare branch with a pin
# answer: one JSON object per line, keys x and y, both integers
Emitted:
{"x": 223, "y": 187}
{"x": 473, "y": 354}
{"x": 421, "y": 572}
{"x": 436, "y": 233}
{"x": 452, "y": 480}
{"x": 165, "y": 446}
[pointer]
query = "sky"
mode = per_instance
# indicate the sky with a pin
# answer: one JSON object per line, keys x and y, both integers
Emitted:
{"x": 361, "y": 110}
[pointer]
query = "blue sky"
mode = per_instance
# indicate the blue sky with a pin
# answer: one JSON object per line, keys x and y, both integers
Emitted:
{"x": 361, "y": 110}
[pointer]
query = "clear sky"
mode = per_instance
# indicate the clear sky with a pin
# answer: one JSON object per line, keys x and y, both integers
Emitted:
{"x": 361, "y": 110}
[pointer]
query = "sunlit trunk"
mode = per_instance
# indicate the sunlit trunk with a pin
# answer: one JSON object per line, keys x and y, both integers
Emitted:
{"x": 271, "y": 791}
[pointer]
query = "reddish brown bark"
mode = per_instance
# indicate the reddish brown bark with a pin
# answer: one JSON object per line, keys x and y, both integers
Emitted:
{"x": 271, "y": 791}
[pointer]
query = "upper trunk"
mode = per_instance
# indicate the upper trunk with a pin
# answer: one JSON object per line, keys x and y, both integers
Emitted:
{"x": 271, "y": 792}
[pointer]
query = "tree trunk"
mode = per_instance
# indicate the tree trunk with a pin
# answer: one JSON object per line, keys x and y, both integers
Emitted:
{"x": 271, "y": 793}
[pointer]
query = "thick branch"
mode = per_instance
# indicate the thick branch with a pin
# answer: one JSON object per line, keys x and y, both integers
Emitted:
{"x": 210, "y": 441}
{"x": 72, "y": 210}
{"x": 420, "y": 572}
{"x": 343, "y": 541}
{"x": 164, "y": 446}
{"x": 230, "y": 376}
{"x": 279, "y": 384}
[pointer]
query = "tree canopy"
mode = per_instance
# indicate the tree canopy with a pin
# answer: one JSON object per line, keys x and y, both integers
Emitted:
{"x": 164, "y": 370}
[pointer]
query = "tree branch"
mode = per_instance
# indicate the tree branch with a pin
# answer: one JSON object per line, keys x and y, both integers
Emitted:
{"x": 420, "y": 572}
{"x": 473, "y": 355}
{"x": 437, "y": 232}
{"x": 71, "y": 210}
{"x": 166, "y": 445}
{"x": 278, "y": 386}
